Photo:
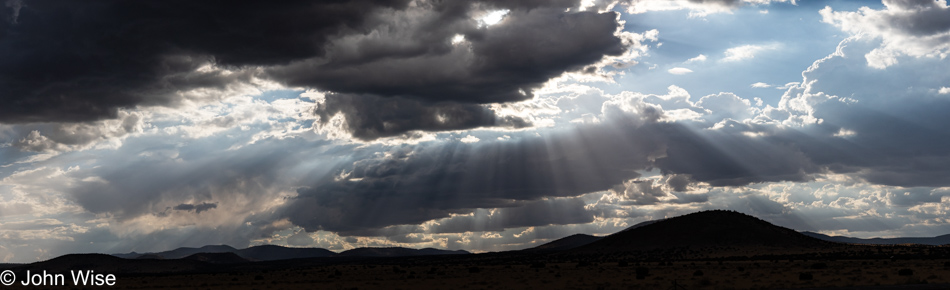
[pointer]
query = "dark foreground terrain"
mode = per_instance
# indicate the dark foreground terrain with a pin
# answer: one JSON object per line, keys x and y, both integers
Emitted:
{"x": 706, "y": 250}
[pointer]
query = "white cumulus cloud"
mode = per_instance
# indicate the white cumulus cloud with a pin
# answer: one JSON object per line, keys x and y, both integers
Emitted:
{"x": 698, "y": 58}
{"x": 746, "y": 52}
{"x": 469, "y": 139}
{"x": 913, "y": 28}
{"x": 679, "y": 70}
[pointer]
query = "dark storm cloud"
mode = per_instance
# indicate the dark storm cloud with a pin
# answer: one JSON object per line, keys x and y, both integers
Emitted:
{"x": 62, "y": 136}
{"x": 81, "y": 60}
{"x": 930, "y": 18}
{"x": 500, "y": 63}
{"x": 395, "y": 116}
{"x": 197, "y": 208}
{"x": 11, "y": 14}
{"x": 69, "y": 61}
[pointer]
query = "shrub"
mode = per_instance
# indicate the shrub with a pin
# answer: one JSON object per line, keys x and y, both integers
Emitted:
{"x": 818, "y": 266}
{"x": 474, "y": 270}
{"x": 698, "y": 273}
{"x": 642, "y": 272}
{"x": 805, "y": 276}
{"x": 905, "y": 272}
{"x": 623, "y": 264}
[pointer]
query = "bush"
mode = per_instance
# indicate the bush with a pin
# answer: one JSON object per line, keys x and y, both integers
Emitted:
{"x": 698, "y": 273}
{"x": 642, "y": 272}
{"x": 623, "y": 264}
{"x": 805, "y": 276}
{"x": 905, "y": 272}
{"x": 819, "y": 266}
{"x": 474, "y": 270}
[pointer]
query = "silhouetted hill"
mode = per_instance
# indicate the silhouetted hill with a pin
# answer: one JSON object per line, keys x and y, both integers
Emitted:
{"x": 640, "y": 225}
{"x": 272, "y": 253}
{"x": 707, "y": 229}
{"x": 181, "y": 252}
{"x": 255, "y": 253}
{"x": 110, "y": 264}
{"x": 149, "y": 256}
{"x": 4, "y": 266}
{"x": 397, "y": 252}
{"x": 566, "y": 243}
{"x": 216, "y": 258}
{"x": 129, "y": 255}
{"x": 934, "y": 241}
{"x": 185, "y": 252}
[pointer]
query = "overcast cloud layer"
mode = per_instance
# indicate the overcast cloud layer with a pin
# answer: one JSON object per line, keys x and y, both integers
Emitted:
{"x": 478, "y": 125}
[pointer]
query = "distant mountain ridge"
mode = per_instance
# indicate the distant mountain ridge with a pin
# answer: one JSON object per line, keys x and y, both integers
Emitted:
{"x": 217, "y": 258}
{"x": 180, "y": 252}
{"x": 933, "y": 241}
{"x": 397, "y": 252}
{"x": 717, "y": 230}
{"x": 275, "y": 253}
{"x": 703, "y": 235}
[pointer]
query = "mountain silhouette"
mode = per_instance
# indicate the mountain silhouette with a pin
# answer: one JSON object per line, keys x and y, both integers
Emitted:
{"x": 255, "y": 253}
{"x": 650, "y": 222}
{"x": 217, "y": 258}
{"x": 179, "y": 252}
{"x": 566, "y": 243}
{"x": 707, "y": 229}
{"x": 397, "y": 252}
{"x": 148, "y": 257}
{"x": 273, "y": 253}
{"x": 111, "y": 264}
{"x": 934, "y": 241}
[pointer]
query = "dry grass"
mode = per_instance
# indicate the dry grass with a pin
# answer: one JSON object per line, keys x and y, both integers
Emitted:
{"x": 727, "y": 275}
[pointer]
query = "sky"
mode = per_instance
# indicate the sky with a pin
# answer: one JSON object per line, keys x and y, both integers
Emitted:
{"x": 478, "y": 125}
